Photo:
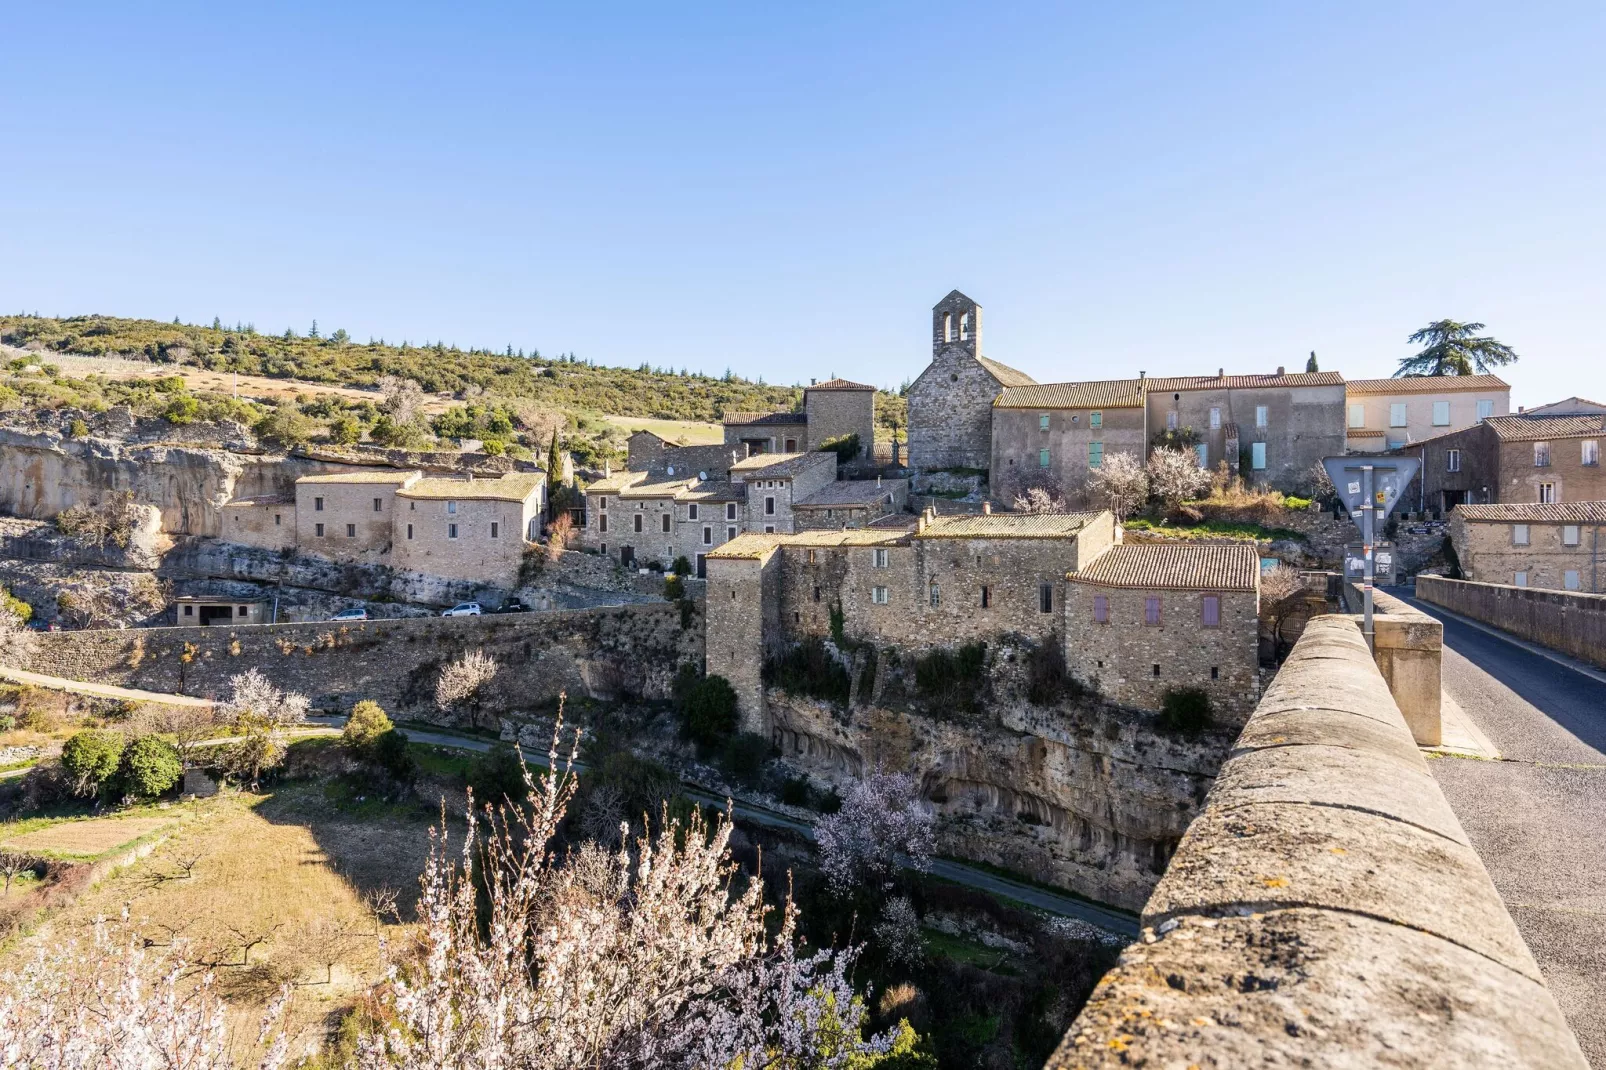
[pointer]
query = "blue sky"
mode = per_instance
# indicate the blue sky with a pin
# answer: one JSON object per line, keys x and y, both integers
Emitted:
{"x": 786, "y": 190}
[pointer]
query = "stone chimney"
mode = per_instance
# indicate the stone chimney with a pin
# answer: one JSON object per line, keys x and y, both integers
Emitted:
{"x": 1221, "y": 373}
{"x": 920, "y": 523}
{"x": 1279, "y": 369}
{"x": 814, "y": 382}
{"x": 878, "y": 479}
{"x": 986, "y": 508}
{"x": 1143, "y": 375}
{"x": 607, "y": 469}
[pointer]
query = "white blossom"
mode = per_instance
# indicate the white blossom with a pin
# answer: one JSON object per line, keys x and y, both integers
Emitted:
{"x": 882, "y": 824}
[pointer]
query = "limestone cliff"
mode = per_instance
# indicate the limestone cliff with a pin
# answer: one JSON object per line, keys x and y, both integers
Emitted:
{"x": 1086, "y": 796}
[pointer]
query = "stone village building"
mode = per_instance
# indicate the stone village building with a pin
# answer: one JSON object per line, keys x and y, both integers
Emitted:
{"x": 832, "y": 410}
{"x": 1526, "y": 544}
{"x": 474, "y": 530}
{"x": 1389, "y": 413}
{"x": 1133, "y": 620}
{"x": 1542, "y": 458}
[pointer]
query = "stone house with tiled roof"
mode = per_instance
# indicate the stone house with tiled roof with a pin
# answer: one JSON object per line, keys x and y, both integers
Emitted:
{"x": 1389, "y": 413}
{"x": 1521, "y": 457}
{"x": 953, "y": 580}
{"x": 831, "y": 411}
{"x": 1528, "y": 544}
{"x": 1055, "y": 435}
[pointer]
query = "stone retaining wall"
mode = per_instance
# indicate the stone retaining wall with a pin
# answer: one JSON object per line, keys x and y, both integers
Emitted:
{"x": 1326, "y": 909}
{"x": 1567, "y": 621}
{"x": 604, "y": 653}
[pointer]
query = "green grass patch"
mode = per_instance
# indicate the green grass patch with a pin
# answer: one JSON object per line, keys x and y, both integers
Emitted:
{"x": 436, "y": 760}
{"x": 1215, "y": 529}
{"x": 970, "y": 952}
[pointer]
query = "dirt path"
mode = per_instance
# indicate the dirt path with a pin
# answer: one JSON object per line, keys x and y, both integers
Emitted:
{"x": 125, "y": 694}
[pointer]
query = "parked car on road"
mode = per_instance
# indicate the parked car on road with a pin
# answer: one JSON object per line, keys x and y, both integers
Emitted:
{"x": 356, "y": 613}
{"x": 514, "y": 605}
{"x": 462, "y": 609}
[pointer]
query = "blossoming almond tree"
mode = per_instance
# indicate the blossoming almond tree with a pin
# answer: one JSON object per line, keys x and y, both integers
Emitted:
{"x": 647, "y": 956}
{"x": 882, "y": 824}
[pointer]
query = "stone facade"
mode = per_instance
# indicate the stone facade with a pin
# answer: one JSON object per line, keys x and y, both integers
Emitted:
{"x": 1554, "y": 546}
{"x": 837, "y": 408}
{"x": 647, "y": 452}
{"x": 348, "y": 516}
{"x": 1054, "y": 436}
{"x": 748, "y": 433}
{"x": 1512, "y": 459}
{"x": 773, "y": 483}
{"x": 1273, "y": 428}
{"x": 267, "y": 522}
{"x": 951, "y": 402}
{"x": 1389, "y": 413}
{"x": 850, "y": 503}
{"x": 475, "y": 529}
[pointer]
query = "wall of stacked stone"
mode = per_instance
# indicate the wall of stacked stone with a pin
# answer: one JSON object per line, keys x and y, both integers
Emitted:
{"x": 1326, "y": 908}
{"x": 743, "y": 613}
{"x": 1567, "y": 621}
{"x": 1488, "y": 553}
{"x": 835, "y": 413}
{"x": 1019, "y": 439}
{"x": 599, "y": 652}
{"x": 951, "y": 413}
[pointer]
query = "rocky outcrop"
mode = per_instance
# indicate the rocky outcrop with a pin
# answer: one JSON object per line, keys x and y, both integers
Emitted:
{"x": 1084, "y": 796}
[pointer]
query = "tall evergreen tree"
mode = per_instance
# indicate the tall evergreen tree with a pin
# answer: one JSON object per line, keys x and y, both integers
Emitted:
{"x": 1451, "y": 348}
{"x": 554, "y": 464}
{"x": 1310, "y": 365}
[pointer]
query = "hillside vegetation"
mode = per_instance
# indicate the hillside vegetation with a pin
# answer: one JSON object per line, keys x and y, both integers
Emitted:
{"x": 563, "y": 383}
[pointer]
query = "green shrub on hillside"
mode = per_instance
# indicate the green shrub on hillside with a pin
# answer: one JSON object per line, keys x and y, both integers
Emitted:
{"x": 953, "y": 678}
{"x": 809, "y": 669}
{"x": 91, "y": 759}
{"x": 368, "y": 721}
{"x": 1185, "y": 710}
{"x": 150, "y": 767}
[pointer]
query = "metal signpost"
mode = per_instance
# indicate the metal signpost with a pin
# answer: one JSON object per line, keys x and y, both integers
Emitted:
{"x": 1370, "y": 487}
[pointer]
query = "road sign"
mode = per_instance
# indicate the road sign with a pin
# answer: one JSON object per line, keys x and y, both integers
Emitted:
{"x": 1370, "y": 487}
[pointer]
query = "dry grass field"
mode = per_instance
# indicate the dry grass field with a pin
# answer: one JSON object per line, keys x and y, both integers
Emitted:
{"x": 85, "y": 839}
{"x": 682, "y": 432}
{"x": 265, "y": 890}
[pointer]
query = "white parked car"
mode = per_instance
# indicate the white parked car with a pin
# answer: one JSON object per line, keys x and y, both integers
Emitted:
{"x": 351, "y": 614}
{"x": 462, "y": 609}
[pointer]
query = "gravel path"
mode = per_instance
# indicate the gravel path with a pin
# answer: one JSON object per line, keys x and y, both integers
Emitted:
{"x": 1538, "y": 816}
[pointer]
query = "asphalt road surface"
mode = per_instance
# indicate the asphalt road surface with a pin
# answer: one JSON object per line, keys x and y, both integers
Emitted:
{"x": 1538, "y": 816}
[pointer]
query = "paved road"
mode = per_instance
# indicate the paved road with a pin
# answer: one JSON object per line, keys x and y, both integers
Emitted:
{"x": 1537, "y": 817}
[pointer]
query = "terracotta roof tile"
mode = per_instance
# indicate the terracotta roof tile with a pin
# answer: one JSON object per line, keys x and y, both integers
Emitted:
{"x": 1534, "y": 513}
{"x": 513, "y": 487}
{"x": 839, "y": 384}
{"x": 613, "y": 484}
{"x": 763, "y": 419}
{"x": 665, "y": 488}
{"x": 1007, "y": 526}
{"x": 714, "y": 490}
{"x": 1520, "y": 427}
{"x": 852, "y": 492}
{"x": 1176, "y": 567}
{"x": 1245, "y": 382}
{"x": 1005, "y": 375}
{"x": 779, "y": 465}
{"x": 1104, "y": 394}
{"x": 1426, "y": 384}
{"x": 388, "y": 475}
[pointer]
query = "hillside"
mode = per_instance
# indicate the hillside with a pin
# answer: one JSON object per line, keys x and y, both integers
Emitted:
{"x": 562, "y": 383}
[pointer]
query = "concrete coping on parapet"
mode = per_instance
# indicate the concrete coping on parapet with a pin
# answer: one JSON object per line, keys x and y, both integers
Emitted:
{"x": 1326, "y": 908}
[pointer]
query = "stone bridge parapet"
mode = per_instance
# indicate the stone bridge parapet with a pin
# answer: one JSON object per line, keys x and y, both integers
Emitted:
{"x": 1326, "y": 909}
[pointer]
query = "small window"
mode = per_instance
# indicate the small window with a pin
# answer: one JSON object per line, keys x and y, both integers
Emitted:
{"x": 1541, "y": 455}
{"x": 708, "y": 535}
{"x": 947, "y": 326}
{"x": 638, "y": 521}
{"x": 1262, "y": 416}
{"x": 351, "y": 531}
{"x": 1215, "y": 418}
{"x": 602, "y": 523}
{"x": 495, "y": 529}
{"x": 1569, "y": 579}
{"x": 1101, "y": 609}
{"x": 189, "y": 611}
{"x": 1397, "y": 414}
{"x": 1042, "y": 422}
{"x": 936, "y": 594}
{"x": 412, "y": 507}
{"x": 451, "y": 508}
{"x": 275, "y": 519}
{"x": 1171, "y": 420}
{"x": 602, "y": 502}
{"x": 1485, "y": 410}
{"x": 1357, "y": 415}
{"x": 1202, "y": 453}
{"x": 880, "y": 557}
{"x": 691, "y": 511}
{"x": 1095, "y": 419}
{"x": 1520, "y": 579}
{"x": 1045, "y": 598}
{"x": 1151, "y": 610}
{"x": 816, "y": 594}
{"x": 1452, "y": 460}
{"x": 242, "y": 611}
{"x": 1569, "y": 535}
{"x": 451, "y": 531}
{"x": 1095, "y": 455}
{"x": 964, "y": 326}
{"x": 317, "y": 505}
{"x": 1042, "y": 458}
{"x": 1215, "y": 672}
{"x": 409, "y": 531}
{"x": 986, "y": 597}
{"x": 1157, "y": 671}
{"x": 1210, "y": 611}
{"x": 1547, "y": 493}
{"x": 1441, "y": 414}
{"x": 666, "y": 520}
{"x": 812, "y": 558}
{"x": 1257, "y": 456}
{"x": 769, "y": 506}
{"x": 317, "y": 529}
{"x": 730, "y": 533}
{"x": 730, "y": 510}
{"x": 379, "y": 505}
{"x": 880, "y": 596}
{"x": 1591, "y": 452}
{"x": 1519, "y": 534}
